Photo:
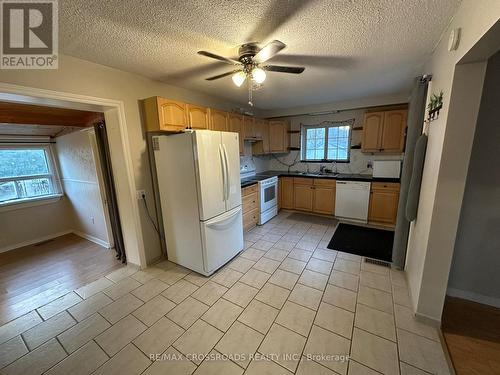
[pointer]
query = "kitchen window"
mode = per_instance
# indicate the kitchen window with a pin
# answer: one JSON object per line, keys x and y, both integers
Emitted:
{"x": 326, "y": 142}
{"x": 27, "y": 173}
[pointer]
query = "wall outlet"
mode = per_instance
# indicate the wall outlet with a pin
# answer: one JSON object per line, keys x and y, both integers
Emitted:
{"x": 140, "y": 194}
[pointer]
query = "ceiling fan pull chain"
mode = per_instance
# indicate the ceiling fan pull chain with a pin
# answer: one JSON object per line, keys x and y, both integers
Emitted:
{"x": 249, "y": 82}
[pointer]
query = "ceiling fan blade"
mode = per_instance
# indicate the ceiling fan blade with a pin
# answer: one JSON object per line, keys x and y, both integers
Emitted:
{"x": 222, "y": 75}
{"x": 217, "y": 57}
{"x": 284, "y": 69}
{"x": 268, "y": 51}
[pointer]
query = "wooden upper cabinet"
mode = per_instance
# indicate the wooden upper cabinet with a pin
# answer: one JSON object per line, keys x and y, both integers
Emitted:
{"x": 236, "y": 125}
{"x": 164, "y": 114}
{"x": 261, "y": 132}
{"x": 197, "y": 116}
{"x": 384, "y": 198}
{"x": 278, "y": 133}
{"x": 393, "y": 134}
{"x": 286, "y": 192}
{"x": 248, "y": 127}
{"x": 372, "y": 131}
{"x": 218, "y": 120}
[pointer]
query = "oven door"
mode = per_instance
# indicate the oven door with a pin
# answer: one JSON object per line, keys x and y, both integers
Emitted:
{"x": 268, "y": 196}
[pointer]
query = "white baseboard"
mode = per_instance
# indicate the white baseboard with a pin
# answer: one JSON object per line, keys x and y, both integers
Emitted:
{"x": 34, "y": 241}
{"x": 475, "y": 297}
{"x": 92, "y": 239}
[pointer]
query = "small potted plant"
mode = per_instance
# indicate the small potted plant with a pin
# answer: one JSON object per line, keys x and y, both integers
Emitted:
{"x": 434, "y": 106}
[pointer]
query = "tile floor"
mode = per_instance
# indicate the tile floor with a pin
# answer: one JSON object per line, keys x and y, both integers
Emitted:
{"x": 287, "y": 304}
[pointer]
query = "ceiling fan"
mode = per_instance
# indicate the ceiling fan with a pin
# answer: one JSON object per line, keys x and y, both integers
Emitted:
{"x": 250, "y": 64}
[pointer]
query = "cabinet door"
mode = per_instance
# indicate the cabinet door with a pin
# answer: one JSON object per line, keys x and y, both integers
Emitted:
{"x": 286, "y": 192}
{"x": 261, "y": 132}
{"x": 372, "y": 132}
{"x": 303, "y": 197}
{"x": 383, "y": 206}
{"x": 324, "y": 200}
{"x": 277, "y": 134}
{"x": 218, "y": 120}
{"x": 248, "y": 127}
{"x": 172, "y": 115}
{"x": 236, "y": 125}
{"x": 197, "y": 116}
{"x": 393, "y": 133}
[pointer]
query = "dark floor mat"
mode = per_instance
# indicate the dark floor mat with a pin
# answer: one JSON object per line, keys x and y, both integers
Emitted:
{"x": 313, "y": 219}
{"x": 368, "y": 242}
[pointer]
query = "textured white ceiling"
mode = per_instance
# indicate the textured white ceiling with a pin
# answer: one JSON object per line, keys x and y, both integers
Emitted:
{"x": 350, "y": 49}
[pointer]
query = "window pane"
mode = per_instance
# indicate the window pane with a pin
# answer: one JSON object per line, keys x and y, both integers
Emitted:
{"x": 22, "y": 162}
{"x": 7, "y": 191}
{"x": 32, "y": 188}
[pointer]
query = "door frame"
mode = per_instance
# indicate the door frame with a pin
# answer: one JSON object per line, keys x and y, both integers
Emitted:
{"x": 122, "y": 166}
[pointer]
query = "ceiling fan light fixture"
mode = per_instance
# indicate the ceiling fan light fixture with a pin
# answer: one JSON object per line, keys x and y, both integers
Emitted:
{"x": 258, "y": 75}
{"x": 239, "y": 78}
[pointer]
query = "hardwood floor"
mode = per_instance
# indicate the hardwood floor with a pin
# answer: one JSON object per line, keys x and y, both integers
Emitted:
{"x": 34, "y": 275}
{"x": 472, "y": 334}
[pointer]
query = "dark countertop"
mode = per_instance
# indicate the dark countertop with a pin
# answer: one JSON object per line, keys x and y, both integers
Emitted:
{"x": 340, "y": 176}
{"x": 246, "y": 183}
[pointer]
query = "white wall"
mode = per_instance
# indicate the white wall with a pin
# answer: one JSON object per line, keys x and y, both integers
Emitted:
{"x": 79, "y": 180}
{"x": 432, "y": 235}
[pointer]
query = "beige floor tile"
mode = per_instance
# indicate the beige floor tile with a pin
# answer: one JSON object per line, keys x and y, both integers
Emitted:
{"x": 348, "y": 256}
{"x": 153, "y": 310}
{"x": 121, "y": 273}
{"x": 12, "y": 350}
{"x": 300, "y": 254}
{"x": 218, "y": 366}
{"x": 227, "y": 277}
{"x": 313, "y": 279}
{"x": 328, "y": 349}
{"x": 296, "y": 317}
{"x": 266, "y": 367}
{"x": 304, "y": 244}
{"x": 401, "y": 296}
{"x": 82, "y": 362}
{"x": 129, "y": 361}
{"x": 421, "y": 352}
{"x": 321, "y": 266}
{"x": 252, "y": 254}
{"x": 285, "y": 245}
{"x": 187, "y": 312}
{"x": 340, "y": 297}
{"x": 95, "y": 287}
{"x": 293, "y": 265}
{"x": 173, "y": 274}
{"x": 177, "y": 365}
{"x": 344, "y": 280}
{"x": 375, "y": 298}
{"x": 120, "y": 334}
{"x": 266, "y": 265}
{"x": 255, "y": 278}
{"x": 276, "y": 254}
{"x": 89, "y": 306}
{"x": 375, "y": 321}
{"x": 120, "y": 308}
{"x": 150, "y": 290}
{"x": 326, "y": 255}
{"x": 346, "y": 266}
{"x": 375, "y": 268}
{"x": 179, "y": 291}
{"x": 157, "y": 338}
{"x": 198, "y": 340}
{"x": 241, "y": 294}
{"x": 48, "y": 329}
{"x": 375, "y": 352}
{"x": 263, "y": 245}
{"x": 58, "y": 305}
{"x": 406, "y": 369}
{"x": 19, "y": 325}
{"x": 335, "y": 319}
{"x": 282, "y": 346}
{"x": 196, "y": 278}
{"x": 356, "y": 368}
{"x": 405, "y": 319}
{"x": 37, "y": 361}
{"x": 273, "y": 295}
{"x": 290, "y": 237}
{"x": 240, "y": 342}
{"x": 306, "y": 296}
{"x": 147, "y": 274}
{"x": 374, "y": 280}
{"x": 252, "y": 237}
{"x": 309, "y": 367}
{"x": 121, "y": 288}
{"x": 80, "y": 334}
{"x": 284, "y": 279}
{"x": 209, "y": 293}
{"x": 258, "y": 316}
{"x": 247, "y": 244}
{"x": 222, "y": 314}
{"x": 241, "y": 264}
{"x": 271, "y": 237}
{"x": 398, "y": 278}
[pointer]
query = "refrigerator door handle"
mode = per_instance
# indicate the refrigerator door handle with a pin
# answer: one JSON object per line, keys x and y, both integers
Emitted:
{"x": 228, "y": 179}
{"x": 223, "y": 168}
{"x": 224, "y": 221}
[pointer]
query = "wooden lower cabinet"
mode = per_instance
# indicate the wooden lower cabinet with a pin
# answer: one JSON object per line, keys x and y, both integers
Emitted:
{"x": 250, "y": 204}
{"x": 286, "y": 192}
{"x": 384, "y": 199}
{"x": 303, "y": 194}
{"x": 324, "y": 196}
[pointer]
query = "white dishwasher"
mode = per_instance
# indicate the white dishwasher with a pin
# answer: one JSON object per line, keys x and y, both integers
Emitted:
{"x": 352, "y": 199}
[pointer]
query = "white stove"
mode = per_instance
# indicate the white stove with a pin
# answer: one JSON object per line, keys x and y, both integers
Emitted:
{"x": 268, "y": 194}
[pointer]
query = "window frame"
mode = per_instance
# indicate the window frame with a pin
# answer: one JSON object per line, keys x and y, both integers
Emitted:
{"x": 52, "y": 176}
{"x": 325, "y": 125}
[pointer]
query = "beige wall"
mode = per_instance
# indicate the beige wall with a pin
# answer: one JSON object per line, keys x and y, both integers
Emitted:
{"x": 84, "y": 78}
{"x": 432, "y": 235}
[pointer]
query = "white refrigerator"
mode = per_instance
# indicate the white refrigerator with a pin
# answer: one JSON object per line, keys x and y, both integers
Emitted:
{"x": 200, "y": 194}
